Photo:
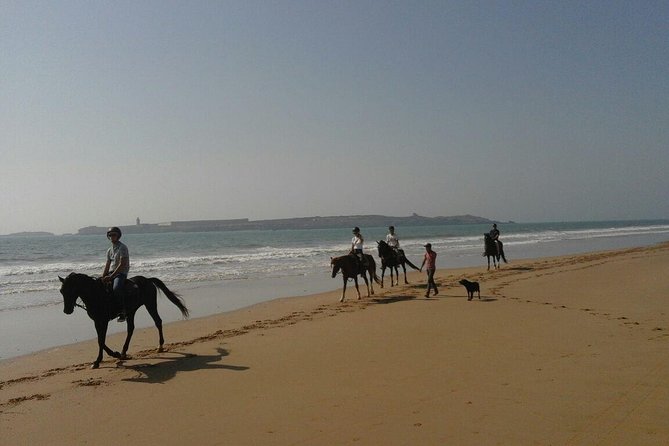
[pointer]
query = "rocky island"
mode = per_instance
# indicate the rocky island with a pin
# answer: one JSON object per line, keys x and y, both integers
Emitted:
{"x": 288, "y": 223}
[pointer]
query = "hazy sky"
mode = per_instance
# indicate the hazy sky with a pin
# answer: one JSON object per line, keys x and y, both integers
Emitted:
{"x": 177, "y": 110}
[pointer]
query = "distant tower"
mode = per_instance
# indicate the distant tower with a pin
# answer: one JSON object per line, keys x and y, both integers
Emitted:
{"x": 137, "y": 221}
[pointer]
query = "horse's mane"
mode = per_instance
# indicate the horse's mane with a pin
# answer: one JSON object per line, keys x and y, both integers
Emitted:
{"x": 84, "y": 280}
{"x": 339, "y": 258}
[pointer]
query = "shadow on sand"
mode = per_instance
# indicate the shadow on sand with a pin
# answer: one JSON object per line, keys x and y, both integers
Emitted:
{"x": 167, "y": 368}
{"x": 391, "y": 299}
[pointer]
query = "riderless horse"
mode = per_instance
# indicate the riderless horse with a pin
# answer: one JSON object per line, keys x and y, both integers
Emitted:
{"x": 350, "y": 268}
{"x": 393, "y": 259}
{"x": 102, "y": 307}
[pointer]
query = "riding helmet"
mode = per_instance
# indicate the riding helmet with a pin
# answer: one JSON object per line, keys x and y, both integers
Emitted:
{"x": 113, "y": 230}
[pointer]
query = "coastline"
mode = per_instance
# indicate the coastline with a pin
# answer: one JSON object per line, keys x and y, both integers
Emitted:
{"x": 559, "y": 350}
{"x": 43, "y": 327}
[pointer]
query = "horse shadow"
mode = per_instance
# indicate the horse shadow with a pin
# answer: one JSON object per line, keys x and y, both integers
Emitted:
{"x": 156, "y": 373}
{"x": 391, "y": 299}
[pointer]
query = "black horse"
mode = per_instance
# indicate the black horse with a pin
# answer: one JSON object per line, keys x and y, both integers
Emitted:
{"x": 102, "y": 307}
{"x": 393, "y": 259}
{"x": 491, "y": 250}
{"x": 350, "y": 268}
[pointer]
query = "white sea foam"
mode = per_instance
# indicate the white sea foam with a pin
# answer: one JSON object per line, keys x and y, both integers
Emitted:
{"x": 31, "y": 278}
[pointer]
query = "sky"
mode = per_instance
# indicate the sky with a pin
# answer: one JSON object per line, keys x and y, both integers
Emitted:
{"x": 188, "y": 110}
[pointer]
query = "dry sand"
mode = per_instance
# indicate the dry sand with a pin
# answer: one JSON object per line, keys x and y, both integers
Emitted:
{"x": 567, "y": 350}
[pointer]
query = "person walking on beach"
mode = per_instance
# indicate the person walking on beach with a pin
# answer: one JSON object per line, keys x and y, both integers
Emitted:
{"x": 357, "y": 243}
{"x": 431, "y": 259}
{"x": 117, "y": 267}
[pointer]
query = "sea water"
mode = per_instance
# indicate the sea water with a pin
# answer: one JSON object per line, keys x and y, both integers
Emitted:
{"x": 247, "y": 267}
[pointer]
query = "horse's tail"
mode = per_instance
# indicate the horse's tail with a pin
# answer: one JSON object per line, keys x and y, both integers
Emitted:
{"x": 171, "y": 295}
{"x": 501, "y": 252}
{"x": 372, "y": 271}
{"x": 411, "y": 264}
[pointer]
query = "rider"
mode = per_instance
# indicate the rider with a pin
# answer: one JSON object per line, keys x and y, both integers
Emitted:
{"x": 494, "y": 235}
{"x": 117, "y": 267}
{"x": 394, "y": 242}
{"x": 391, "y": 238}
{"x": 356, "y": 246}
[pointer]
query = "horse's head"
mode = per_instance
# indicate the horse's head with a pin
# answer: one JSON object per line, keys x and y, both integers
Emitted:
{"x": 335, "y": 266}
{"x": 69, "y": 292}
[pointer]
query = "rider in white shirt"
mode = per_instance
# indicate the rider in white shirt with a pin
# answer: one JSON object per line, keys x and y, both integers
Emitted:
{"x": 356, "y": 245}
{"x": 391, "y": 238}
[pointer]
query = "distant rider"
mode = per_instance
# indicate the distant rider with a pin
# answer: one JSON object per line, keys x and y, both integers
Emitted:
{"x": 394, "y": 242}
{"x": 356, "y": 247}
{"x": 391, "y": 238}
{"x": 118, "y": 262}
{"x": 494, "y": 235}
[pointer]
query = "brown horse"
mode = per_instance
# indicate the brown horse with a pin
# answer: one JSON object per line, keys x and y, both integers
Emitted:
{"x": 350, "y": 269}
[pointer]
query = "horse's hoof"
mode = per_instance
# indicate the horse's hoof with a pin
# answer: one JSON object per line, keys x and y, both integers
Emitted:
{"x": 95, "y": 365}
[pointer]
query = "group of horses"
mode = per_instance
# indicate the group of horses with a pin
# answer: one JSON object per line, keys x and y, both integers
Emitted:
{"x": 101, "y": 307}
{"x": 351, "y": 267}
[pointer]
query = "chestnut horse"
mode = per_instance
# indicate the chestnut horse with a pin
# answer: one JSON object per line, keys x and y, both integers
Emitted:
{"x": 350, "y": 269}
{"x": 102, "y": 308}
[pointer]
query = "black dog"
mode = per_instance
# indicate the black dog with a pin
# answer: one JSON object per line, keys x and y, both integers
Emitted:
{"x": 471, "y": 287}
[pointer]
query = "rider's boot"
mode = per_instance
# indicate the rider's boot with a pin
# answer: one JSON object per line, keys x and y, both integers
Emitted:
{"x": 122, "y": 313}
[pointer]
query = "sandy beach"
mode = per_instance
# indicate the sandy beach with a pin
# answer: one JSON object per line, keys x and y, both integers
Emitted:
{"x": 564, "y": 350}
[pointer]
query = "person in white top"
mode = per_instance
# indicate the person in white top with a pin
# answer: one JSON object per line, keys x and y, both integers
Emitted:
{"x": 391, "y": 238}
{"x": 357, "y": 243}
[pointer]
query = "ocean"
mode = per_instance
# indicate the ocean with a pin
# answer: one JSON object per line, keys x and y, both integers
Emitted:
{"x": 247, "y": 267}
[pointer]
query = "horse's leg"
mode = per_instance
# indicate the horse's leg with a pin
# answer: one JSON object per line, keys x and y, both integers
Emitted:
{"x": 152, "y": 308}
{"x": 370, "y": 283}
{"x": 101, "y": 329}
{"x": 383, "y": 271}
{"x": 343, "y": 291}
{"x": 130, "y": 321}
{"x": 404, "y": 268}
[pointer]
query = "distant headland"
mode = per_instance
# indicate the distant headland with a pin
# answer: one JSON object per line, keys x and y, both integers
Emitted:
{"x": 30, "y": 234}
{"x": 288, "y": 223}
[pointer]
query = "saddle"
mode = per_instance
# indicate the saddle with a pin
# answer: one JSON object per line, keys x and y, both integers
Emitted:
{"x": 130, "y": 289}
{"x": 362, "y": 262}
